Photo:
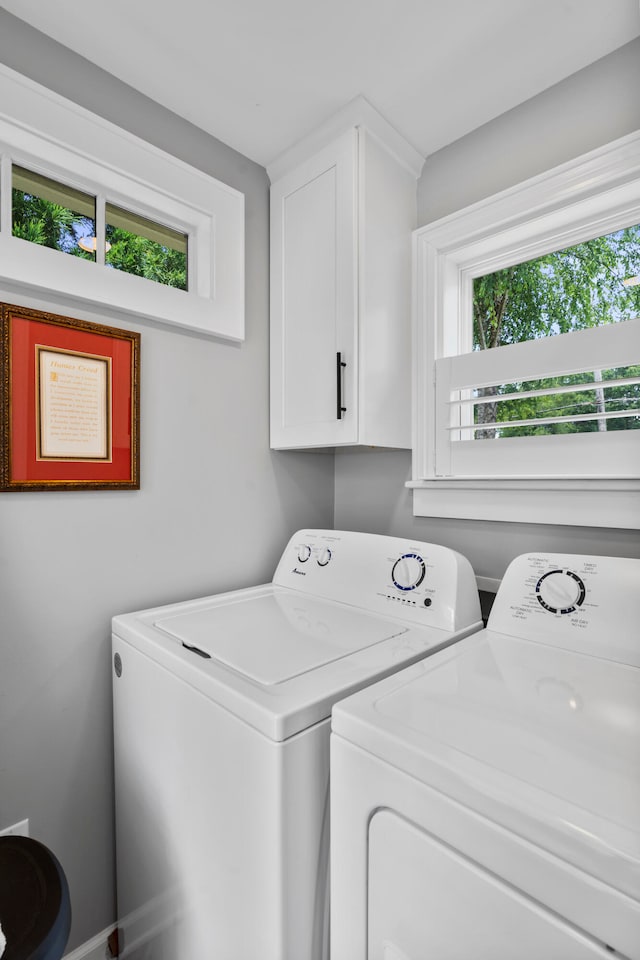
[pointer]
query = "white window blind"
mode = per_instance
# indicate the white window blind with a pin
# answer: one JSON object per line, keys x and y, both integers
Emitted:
{"x": 468, "y": 447}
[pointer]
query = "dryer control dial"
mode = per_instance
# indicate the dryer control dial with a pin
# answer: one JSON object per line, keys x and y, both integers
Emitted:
{"x": 408, "y": 571}
{"x": 304, "y": 552}
{"x": 560, "y": 591}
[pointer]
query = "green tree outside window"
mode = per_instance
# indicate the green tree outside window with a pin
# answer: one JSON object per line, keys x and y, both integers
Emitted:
{"x": 572, "y": 289}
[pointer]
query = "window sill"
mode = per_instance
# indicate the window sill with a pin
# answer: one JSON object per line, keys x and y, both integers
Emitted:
{"x": 584, "y": 503}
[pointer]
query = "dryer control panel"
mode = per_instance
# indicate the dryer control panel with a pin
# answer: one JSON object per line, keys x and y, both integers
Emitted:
{"x": 423, "y": 583}
{"x": 584, "y": 603}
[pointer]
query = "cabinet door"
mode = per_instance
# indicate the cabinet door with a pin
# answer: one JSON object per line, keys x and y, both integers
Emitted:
{"x": 314, "y": 299}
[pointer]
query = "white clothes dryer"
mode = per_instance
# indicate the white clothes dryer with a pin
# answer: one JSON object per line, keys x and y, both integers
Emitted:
{"x": 221, "y": 725}
{"x": 485, "y": 802}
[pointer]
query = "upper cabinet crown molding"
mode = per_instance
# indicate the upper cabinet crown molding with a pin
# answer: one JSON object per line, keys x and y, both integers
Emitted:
{"x": 343, "y": 208}
{"x": 357, "y": 113}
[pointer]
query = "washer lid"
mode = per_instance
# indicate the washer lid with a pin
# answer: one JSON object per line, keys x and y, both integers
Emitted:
{"x": 278, "y": 636}
{"x": 541, "y": 740}
{"x": 276, "y": 658}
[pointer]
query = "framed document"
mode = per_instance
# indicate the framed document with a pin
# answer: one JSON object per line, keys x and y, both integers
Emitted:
{"x": 71, "y": 400}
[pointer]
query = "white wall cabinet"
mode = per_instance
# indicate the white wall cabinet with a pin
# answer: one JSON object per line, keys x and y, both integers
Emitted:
{"x": 341, "y": 222}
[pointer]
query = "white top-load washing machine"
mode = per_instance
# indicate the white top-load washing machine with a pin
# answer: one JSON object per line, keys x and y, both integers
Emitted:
{"x": 486, "y": 802}
{"x": 221, "y": 723}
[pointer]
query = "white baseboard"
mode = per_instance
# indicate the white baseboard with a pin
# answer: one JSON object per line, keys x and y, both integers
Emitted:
{"x": 94, "y": 949}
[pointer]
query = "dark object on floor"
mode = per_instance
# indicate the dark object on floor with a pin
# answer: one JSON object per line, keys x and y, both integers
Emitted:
{"x": 35, "y": 910}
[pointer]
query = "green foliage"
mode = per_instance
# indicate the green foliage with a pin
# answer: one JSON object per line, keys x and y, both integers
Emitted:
{"x": 571, "y": 289}
{"x": 562, "y": 291}
{"x": 146, "y": 258}
{"x": 569, "y": 404}
{"x": 51, "y": 225}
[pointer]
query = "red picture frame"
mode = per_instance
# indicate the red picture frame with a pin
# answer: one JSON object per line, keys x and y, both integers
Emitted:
{"x": 70, "y": 403}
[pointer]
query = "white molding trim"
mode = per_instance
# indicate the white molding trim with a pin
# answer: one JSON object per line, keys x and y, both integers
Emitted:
{"x": 357, "y": 113}
{"x": 56, "y": 137}
{"x": 593, "y": 194}
{"x": 603, "y": 484}
{"x": 618, "y": 508}
{"x": 94, "y": 949}
{"x": 612, "y": 165}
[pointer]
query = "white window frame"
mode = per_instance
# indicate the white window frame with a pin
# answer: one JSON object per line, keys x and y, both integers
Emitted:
{"x": 50, "y": 135}
{"x": 590, "y": 196}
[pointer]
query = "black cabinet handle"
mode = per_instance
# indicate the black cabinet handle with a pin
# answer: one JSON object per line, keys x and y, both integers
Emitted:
{"x": 340, "y": 364}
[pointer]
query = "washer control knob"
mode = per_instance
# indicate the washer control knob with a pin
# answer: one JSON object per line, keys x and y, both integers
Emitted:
{"x": 324, "y": 556}
{"x": 408, "y": 571}
{"x": 560, "y": 591}
{"x": 304, "y": 552}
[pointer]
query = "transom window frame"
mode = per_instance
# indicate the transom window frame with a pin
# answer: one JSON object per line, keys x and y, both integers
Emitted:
{"x": 589, "y": 196}
{"x": 53, "y": 136}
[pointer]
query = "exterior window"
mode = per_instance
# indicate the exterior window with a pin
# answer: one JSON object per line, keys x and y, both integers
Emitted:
{"x": 527, "y": 350}
{"x": 145, "y": 248}
{"x": 584, "y": 286}
{"x": 573, "y": 403}
{"x": 52, "y": 214}
{"x": 72, "y": 182}
{"x": 58, "y": 216}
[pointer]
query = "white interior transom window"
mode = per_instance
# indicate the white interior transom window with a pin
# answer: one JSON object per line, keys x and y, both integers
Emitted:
{"x": 122, "y": 212}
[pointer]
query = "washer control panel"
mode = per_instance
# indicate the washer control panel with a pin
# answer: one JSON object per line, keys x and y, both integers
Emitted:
{"x": 585, "y": 603}
{"x": 422, "y": 582}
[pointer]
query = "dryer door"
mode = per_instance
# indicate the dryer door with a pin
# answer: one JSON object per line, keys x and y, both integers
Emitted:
{"x": 428, "y": 902}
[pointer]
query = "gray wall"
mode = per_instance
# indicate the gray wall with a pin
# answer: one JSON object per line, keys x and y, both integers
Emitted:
{"x": 583, "y": 112}
{"x": 371, "y": 496}
{"x": 590, "y": 108}
{"x": 215, "y": 510}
